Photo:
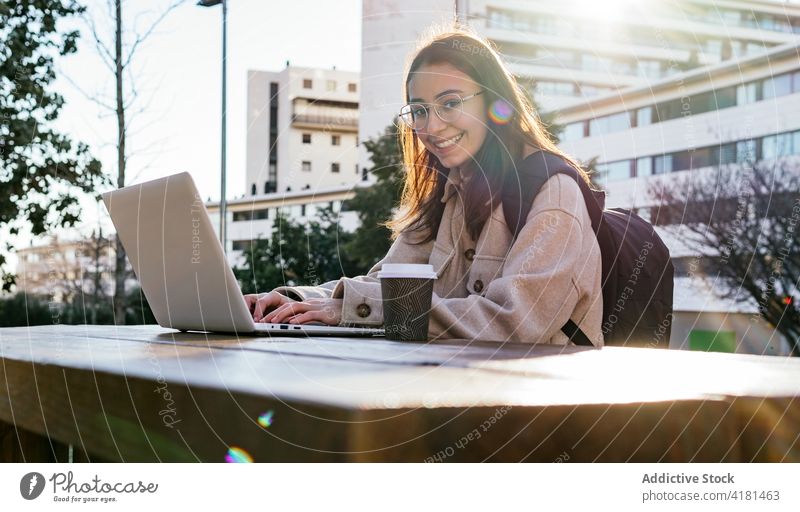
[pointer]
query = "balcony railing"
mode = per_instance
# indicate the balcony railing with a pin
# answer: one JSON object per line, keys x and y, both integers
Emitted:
{"x": 348, "y": 122}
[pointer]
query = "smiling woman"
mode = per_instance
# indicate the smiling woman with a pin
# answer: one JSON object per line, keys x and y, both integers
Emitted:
{"x": 469, "y": 135}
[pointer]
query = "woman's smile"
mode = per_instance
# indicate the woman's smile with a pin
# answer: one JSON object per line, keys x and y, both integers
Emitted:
{"x": 445, "y": 145}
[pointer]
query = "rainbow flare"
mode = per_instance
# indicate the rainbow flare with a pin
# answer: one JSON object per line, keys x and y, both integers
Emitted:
{"x": 500, "y": 112}
{"x": 265, "y": 420}
{"x": 238, "y": 455}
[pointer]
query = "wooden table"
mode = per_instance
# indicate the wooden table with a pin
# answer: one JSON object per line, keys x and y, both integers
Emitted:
{"x": 150, "y": 394}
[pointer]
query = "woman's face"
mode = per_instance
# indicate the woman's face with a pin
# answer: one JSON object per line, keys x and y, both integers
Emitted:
{"x": 455, "y": 142}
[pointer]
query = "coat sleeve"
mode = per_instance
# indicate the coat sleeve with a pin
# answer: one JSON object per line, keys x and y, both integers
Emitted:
{"x": 536, "y": 293}
{"x": 362, "y": 304}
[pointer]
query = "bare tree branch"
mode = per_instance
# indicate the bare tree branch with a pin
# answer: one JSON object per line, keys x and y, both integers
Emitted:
{"x": 743, "y": 220}
{"x": 141, "y": 38}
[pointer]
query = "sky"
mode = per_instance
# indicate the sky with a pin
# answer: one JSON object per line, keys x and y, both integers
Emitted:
{"x": 178, "y": 74}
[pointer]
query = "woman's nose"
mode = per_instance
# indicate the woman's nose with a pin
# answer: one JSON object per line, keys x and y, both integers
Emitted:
{"x": 435, "y": 124}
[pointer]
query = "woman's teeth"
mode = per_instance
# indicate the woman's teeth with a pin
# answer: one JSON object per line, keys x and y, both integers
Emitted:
{"x": 449, "y": 142}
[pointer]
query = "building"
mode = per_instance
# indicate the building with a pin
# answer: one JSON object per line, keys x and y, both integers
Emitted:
{"x": 389, "y": 31}
{"x": 569, "y": 51}
{"x": 726, "y": 114}
{"x": 302, "y": 152}
{"x": 252, "y": 218}
{"x": 573, "y": 50}
{"x": 302, "y": 130}
{"x": 60, "y": 269}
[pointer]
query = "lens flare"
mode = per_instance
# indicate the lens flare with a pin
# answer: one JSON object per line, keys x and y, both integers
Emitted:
{"x": 238, "y": 455}
{"x": 500, "y": 112}
{"x": 265, "y": 420}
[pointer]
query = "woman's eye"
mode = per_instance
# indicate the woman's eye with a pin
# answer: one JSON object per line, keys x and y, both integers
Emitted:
{"x": 418, "y": 112}
{"x": 450, "y": 104}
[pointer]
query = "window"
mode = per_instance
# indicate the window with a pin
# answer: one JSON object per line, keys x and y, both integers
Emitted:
{"x": 614, "y": 171}
{"x": 573, "y": 131}
{"x": 306, "y": 138}
{"x": 727, "y": 154}
{"x": 253, "y": 190}
{"x": 357, "y": 167}
{"x": 593, "y": 90}
{"x": 697, "y": 104}
{"x": 796, "y": 143}
{"x": 796, "y": 81}
{"x": 648, "y": 68}
{"x": 330, "y": 85}
{"x": 555, "y": 88}
{"x": 336, "y": 140}
{"x": 266, "y": 187}
{"x": 747, "y": 93}
{"x": 644, "y": 166}
{"x": 335, "y": 167}
{"x": 351, "y": 87}
{"x": 745, "y": 151}
{"x": 662, "y": 164}
{"x": 713, "y": 47}
{"x": 776, "y": 146}
{"x": 753, "y": 48}
{"x": 611, "y": 123}
{"x": 307, "y": 83}
{"x": 777, "y": 86}
{"x": 302, "y": 210}
{"x": 242, "y": 245}
{"x": 306, "y": 166}
{"x": 644, "y": 116}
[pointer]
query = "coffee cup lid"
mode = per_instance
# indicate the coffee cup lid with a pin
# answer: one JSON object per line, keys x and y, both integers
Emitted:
{"x": 410, "y": 270}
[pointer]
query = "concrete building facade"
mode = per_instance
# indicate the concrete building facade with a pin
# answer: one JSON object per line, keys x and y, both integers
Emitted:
{"x": 302, "y": 130}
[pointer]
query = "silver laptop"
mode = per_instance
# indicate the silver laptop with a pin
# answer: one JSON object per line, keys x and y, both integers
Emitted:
{"x": 169, "y": 239}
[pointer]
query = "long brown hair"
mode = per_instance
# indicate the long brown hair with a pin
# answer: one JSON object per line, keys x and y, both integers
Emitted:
{"x": 420, "y": 208}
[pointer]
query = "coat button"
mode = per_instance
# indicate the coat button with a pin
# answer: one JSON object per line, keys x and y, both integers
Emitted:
{"x": 469, "y": 254}
{"x": 363, "y": 310}
{"x": 478, "y": 286}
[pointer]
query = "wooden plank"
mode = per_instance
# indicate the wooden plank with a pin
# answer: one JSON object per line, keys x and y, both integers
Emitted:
{"x": 121, "y": 419}
{"x": 704, "y": 374}
{"x": 379, "y": 350}
{"x": 105, "y": 391}
{"x": 685, "y": 431}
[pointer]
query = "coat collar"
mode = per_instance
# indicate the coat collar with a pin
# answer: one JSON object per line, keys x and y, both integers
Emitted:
{"x": 455, "y": 181}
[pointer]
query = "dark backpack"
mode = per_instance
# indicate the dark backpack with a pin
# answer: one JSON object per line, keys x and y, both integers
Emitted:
{"x": 637, "y": 270}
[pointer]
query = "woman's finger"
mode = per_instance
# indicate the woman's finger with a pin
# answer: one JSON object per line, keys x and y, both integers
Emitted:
{"x": 316, "y": 315}
{"x": 278, "y": 312}
{"x": 287, "y": 310}
{"x": 264, "y": 303}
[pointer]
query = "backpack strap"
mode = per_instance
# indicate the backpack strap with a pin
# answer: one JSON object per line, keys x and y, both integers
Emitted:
{"x": 521, "y": 188}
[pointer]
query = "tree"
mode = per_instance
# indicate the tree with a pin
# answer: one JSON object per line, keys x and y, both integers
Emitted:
{"x": 375, "y": 205}
{"x": 117, "y": 53}
{"x": 743, "y": 221}
{"x": 43, "y": 170}
{"x": 297, "y": 254}
{"x": 22, "y": 309}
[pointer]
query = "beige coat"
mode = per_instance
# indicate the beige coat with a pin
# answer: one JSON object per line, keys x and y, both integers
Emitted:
{"x": 492, "y": 289}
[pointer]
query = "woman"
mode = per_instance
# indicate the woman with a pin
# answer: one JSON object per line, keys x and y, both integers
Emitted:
{"x": 465, "y": 127}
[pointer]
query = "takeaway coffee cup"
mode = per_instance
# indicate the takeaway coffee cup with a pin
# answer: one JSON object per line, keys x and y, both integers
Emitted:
{"x": 406, "y": 291}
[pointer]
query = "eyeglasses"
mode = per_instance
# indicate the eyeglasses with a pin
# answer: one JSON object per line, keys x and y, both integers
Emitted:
{"x": 448, "y": 108}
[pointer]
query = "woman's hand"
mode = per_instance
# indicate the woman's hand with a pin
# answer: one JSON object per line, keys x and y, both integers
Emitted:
{"x": 260, "y": 304}
{"x": 327, "y": 311}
